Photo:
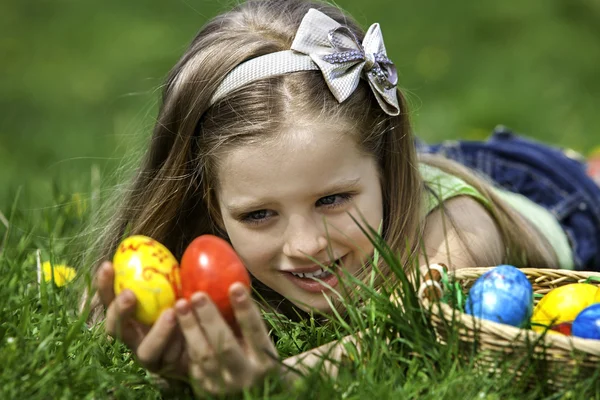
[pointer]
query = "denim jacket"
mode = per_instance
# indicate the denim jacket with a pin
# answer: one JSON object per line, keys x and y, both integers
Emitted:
{"x": 549, "y": 176}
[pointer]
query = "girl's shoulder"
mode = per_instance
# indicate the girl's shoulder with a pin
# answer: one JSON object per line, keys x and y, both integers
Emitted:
{"x": 469, "y": 210}
{"x": 442, "y": 186}
{"x": 462, "y": 234}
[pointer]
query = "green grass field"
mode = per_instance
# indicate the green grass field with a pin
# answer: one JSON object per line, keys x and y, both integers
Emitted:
{"x": 78, "y": 97}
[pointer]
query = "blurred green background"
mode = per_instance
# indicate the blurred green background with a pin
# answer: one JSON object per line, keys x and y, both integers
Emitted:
{"x": 79, "y": 79}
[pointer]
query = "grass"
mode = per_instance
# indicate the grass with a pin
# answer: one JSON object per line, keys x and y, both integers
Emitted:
{"x": 47, "y": 350}
{"x": 78, "y": 95}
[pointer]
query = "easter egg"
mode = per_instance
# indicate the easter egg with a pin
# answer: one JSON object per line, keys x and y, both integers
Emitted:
{"x": 503, "y": 294}
{"x": 151, "y": 272}
{"x": 209, "y": 264}
{"x": 587, "y": 323}
{"x": 559, "y": 307}
{"x": 597, "y": 298}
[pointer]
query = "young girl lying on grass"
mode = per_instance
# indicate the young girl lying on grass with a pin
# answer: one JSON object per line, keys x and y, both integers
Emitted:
{"x": 283, "y": 121}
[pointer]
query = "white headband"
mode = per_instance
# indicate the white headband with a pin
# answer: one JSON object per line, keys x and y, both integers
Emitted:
{"x": 321, "y": 43}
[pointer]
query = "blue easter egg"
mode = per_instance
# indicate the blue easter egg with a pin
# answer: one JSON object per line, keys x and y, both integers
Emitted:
{"x": 503, "y": 294}
{"x": 587, "y": 323}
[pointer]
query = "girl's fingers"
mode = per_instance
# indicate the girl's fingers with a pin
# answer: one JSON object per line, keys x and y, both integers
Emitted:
{"x": 105, "y": 282}
{"x": 198, "y": 348}
{"x": 119, "y": 320}
{"x": 251, "y": 323}
{"x": 227, "y": 350}
{"x": 173, "y": 354}
{"x": 201, "y": 385}
{"x": 151, "y": 349}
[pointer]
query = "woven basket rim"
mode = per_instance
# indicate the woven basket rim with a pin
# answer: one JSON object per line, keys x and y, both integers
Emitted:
{"x": 511, "y": 333}
{"x": 470, "y": 273}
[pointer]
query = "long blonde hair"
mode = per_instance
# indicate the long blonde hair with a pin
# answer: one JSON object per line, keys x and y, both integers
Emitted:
{"x": 172, "y": 197}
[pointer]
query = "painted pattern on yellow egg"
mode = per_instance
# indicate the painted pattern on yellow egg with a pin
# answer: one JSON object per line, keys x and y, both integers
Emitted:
{"x": 151, "y": 272}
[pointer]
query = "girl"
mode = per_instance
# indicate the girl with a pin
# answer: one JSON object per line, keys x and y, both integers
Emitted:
{"x": 282, "y": 122}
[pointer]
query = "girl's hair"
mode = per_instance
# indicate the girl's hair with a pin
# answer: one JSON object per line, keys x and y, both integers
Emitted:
{"x": 172, "y": 197}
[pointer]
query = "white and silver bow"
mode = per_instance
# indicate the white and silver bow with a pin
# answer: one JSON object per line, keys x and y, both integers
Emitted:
{"x": 343, "y": 60}
{"x": 324, "y": 44}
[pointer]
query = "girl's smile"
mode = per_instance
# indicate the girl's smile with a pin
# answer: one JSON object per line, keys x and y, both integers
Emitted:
{"x": 286, "y": 202}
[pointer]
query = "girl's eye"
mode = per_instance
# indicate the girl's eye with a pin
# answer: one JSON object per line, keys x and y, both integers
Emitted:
{"x": 334, "y": 200}
{"x": 256, "y": 217}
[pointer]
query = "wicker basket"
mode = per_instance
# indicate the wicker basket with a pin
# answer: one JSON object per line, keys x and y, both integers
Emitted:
{"x": 558, "y": 360}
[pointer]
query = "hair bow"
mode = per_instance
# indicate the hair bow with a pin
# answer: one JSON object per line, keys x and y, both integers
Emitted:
{"x": 343, "y": 60}
{"x": 322, "y": 43}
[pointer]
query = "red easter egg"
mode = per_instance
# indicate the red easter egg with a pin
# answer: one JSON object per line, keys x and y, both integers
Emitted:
{"x": 565, "y": 328}
{"x": 210, "y": 265}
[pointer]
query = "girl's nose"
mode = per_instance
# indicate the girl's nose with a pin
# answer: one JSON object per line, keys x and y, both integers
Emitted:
{"x": 304, "y": 237}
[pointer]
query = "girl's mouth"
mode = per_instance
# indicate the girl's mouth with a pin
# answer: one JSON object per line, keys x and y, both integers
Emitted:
{"x": 319, "y": 280}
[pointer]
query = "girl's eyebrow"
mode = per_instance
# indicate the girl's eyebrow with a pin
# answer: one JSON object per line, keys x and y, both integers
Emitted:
{"x": 340, "y": 186}
{"x": 238, "y": 208}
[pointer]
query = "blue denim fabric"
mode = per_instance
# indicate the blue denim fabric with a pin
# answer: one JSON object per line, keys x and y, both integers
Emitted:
{"x": 545, "y": 175}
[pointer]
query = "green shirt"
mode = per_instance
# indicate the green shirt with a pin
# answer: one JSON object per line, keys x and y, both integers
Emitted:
{"x": 447, "y": 186}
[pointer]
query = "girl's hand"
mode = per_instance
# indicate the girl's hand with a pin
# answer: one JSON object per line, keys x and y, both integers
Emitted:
{"x": 159, "y": 348}
{"x": 220, "y": 361}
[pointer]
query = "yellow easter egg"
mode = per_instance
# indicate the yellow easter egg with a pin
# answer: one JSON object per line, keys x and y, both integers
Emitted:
{"x": 151, "y": 272}
{"x": 561, "y": 305}
{"x": 597, "y": 298}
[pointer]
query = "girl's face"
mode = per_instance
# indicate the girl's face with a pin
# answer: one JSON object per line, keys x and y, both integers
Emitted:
{"x": 281, "y": 200}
